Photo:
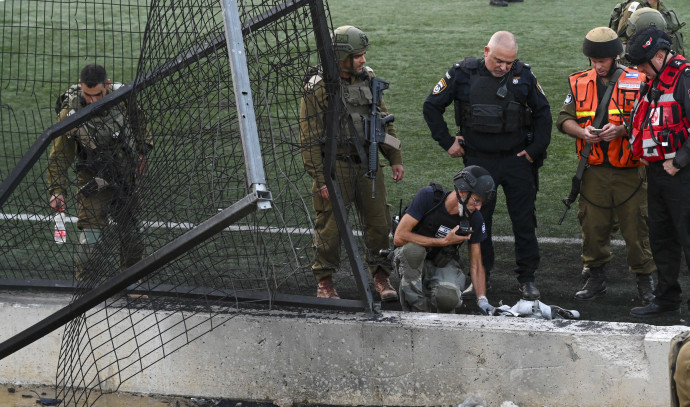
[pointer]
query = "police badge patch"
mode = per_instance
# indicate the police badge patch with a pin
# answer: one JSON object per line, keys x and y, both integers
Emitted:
{"x": 440, "y": 86}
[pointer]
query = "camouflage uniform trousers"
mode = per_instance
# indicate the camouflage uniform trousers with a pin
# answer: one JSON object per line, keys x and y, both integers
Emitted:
{"x": 423, "y": 286}
{"x": 607, "y": 187}
{"x": 94, "y": 211}
{"x": 374, "y": 216}
{"x": 681, "y": 375}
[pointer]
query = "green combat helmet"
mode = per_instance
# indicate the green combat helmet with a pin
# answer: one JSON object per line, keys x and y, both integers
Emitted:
{"x": 602, "y": 42}
{"x": 643, "y": 18}
{"x": 348, "y": 40}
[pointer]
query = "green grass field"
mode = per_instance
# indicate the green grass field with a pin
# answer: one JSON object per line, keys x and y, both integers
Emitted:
{"x": 415, "y": 42}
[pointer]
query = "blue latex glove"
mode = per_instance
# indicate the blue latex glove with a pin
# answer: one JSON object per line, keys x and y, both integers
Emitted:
{"x": 483, "y": 304}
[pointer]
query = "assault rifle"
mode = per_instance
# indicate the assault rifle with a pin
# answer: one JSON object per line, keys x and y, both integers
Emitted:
{"x": 375, "y": 129}
{"x": 577, "y": 179}
{"x": 597, "y": 122}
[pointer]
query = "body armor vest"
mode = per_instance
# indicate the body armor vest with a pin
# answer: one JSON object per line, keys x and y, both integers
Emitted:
{"x": 437, "y": 216}
{"x": 106, "y": 145}
{"x": 358, "y": 100}
{"x": 583, "y": 86}
{"x": 493, "y": 118}
{"x": 434, "y": 219}
{"x": 660, "y": 126}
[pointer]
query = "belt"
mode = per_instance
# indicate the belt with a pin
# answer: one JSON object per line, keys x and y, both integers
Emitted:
{"x": 492, "y": 154}
{"x": 350, "y": 158}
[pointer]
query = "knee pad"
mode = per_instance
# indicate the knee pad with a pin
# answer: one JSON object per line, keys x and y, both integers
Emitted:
{"x": 414, "y": 254}
{"x": 446, "y": 298}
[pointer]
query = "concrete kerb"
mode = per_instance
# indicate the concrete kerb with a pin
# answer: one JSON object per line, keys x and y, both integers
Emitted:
{"x": 391, "y": 359}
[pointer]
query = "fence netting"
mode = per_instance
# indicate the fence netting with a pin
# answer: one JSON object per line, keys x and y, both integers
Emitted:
{"x": 179, "y": 162}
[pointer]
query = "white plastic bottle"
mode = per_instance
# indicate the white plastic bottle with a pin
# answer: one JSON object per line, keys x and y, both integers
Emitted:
{"x": 60, "y": 232}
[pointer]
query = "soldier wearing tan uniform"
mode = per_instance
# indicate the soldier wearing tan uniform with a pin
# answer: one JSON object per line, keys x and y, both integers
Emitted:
{"x": 110, "y": 152}
{"x": 350, "y": 45}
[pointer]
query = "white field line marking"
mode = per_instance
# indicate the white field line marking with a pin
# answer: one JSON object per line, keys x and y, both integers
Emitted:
{"x": 237, "y": 228}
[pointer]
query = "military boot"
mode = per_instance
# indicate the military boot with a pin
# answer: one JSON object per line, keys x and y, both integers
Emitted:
{"x": 595, "y": 286}
{"x": 499, "y": 3}
{"x": 326, "y": 288}
{"x": 384, "y": 287}
{"x": 645, "y": 288}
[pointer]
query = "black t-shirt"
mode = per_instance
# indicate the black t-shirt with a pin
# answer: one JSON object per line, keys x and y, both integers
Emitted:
{"x": 423, "y": 202}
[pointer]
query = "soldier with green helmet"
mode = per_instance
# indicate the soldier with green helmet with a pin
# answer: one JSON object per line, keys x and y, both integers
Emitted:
{"x": 110, "y": 152}
{"x": 350, "y": 45}
{"x": 631, "y": 16}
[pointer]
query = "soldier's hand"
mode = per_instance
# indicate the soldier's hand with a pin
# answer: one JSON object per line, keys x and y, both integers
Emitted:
{"x": 669, "y": 168}
{"x": 611, "y": 132}
{"x": 323, "y": 192}
{"x": 590, "y": 137}
{"x": 143, "y": 166}
{"x": 57, "y": 203}
{"x": 398, "y": 172}
{"x": 456, "y": 150}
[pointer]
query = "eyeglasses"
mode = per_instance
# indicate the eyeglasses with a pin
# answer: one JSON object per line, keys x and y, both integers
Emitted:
{"x": 477, "y": 202}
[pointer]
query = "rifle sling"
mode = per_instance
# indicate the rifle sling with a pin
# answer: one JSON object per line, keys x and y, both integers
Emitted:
{"x": 597, "y": 122}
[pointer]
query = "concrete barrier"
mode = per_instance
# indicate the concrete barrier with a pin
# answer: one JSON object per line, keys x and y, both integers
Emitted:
{"x": 390, "y": 359}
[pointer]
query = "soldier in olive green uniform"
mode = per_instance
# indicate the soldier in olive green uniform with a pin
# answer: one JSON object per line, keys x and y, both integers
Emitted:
{"x": 350, "y": 45}
{"x": 679, "y": 370}
{"x": 110, "y": 152}
{"x": 626, "y": 25}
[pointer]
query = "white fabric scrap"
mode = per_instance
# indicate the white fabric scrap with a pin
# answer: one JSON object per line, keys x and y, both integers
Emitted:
{"x": 536, "y": 309}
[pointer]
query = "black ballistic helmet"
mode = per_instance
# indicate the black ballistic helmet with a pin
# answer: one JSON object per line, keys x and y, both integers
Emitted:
{"x": 645, "y": 44}
{"x": 476, "y": 180}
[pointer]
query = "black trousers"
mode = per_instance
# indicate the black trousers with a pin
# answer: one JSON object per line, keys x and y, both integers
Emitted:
{"x": 669, "y": 228}
{"x": 514, "y": 175}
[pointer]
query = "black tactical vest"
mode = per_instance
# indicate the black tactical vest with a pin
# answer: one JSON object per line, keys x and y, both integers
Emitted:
{"x": 492, "y": 118}
{"x": 437, "y": 216}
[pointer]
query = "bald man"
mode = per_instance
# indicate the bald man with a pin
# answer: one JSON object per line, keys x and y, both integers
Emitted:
{"x": 504, "y": 125}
